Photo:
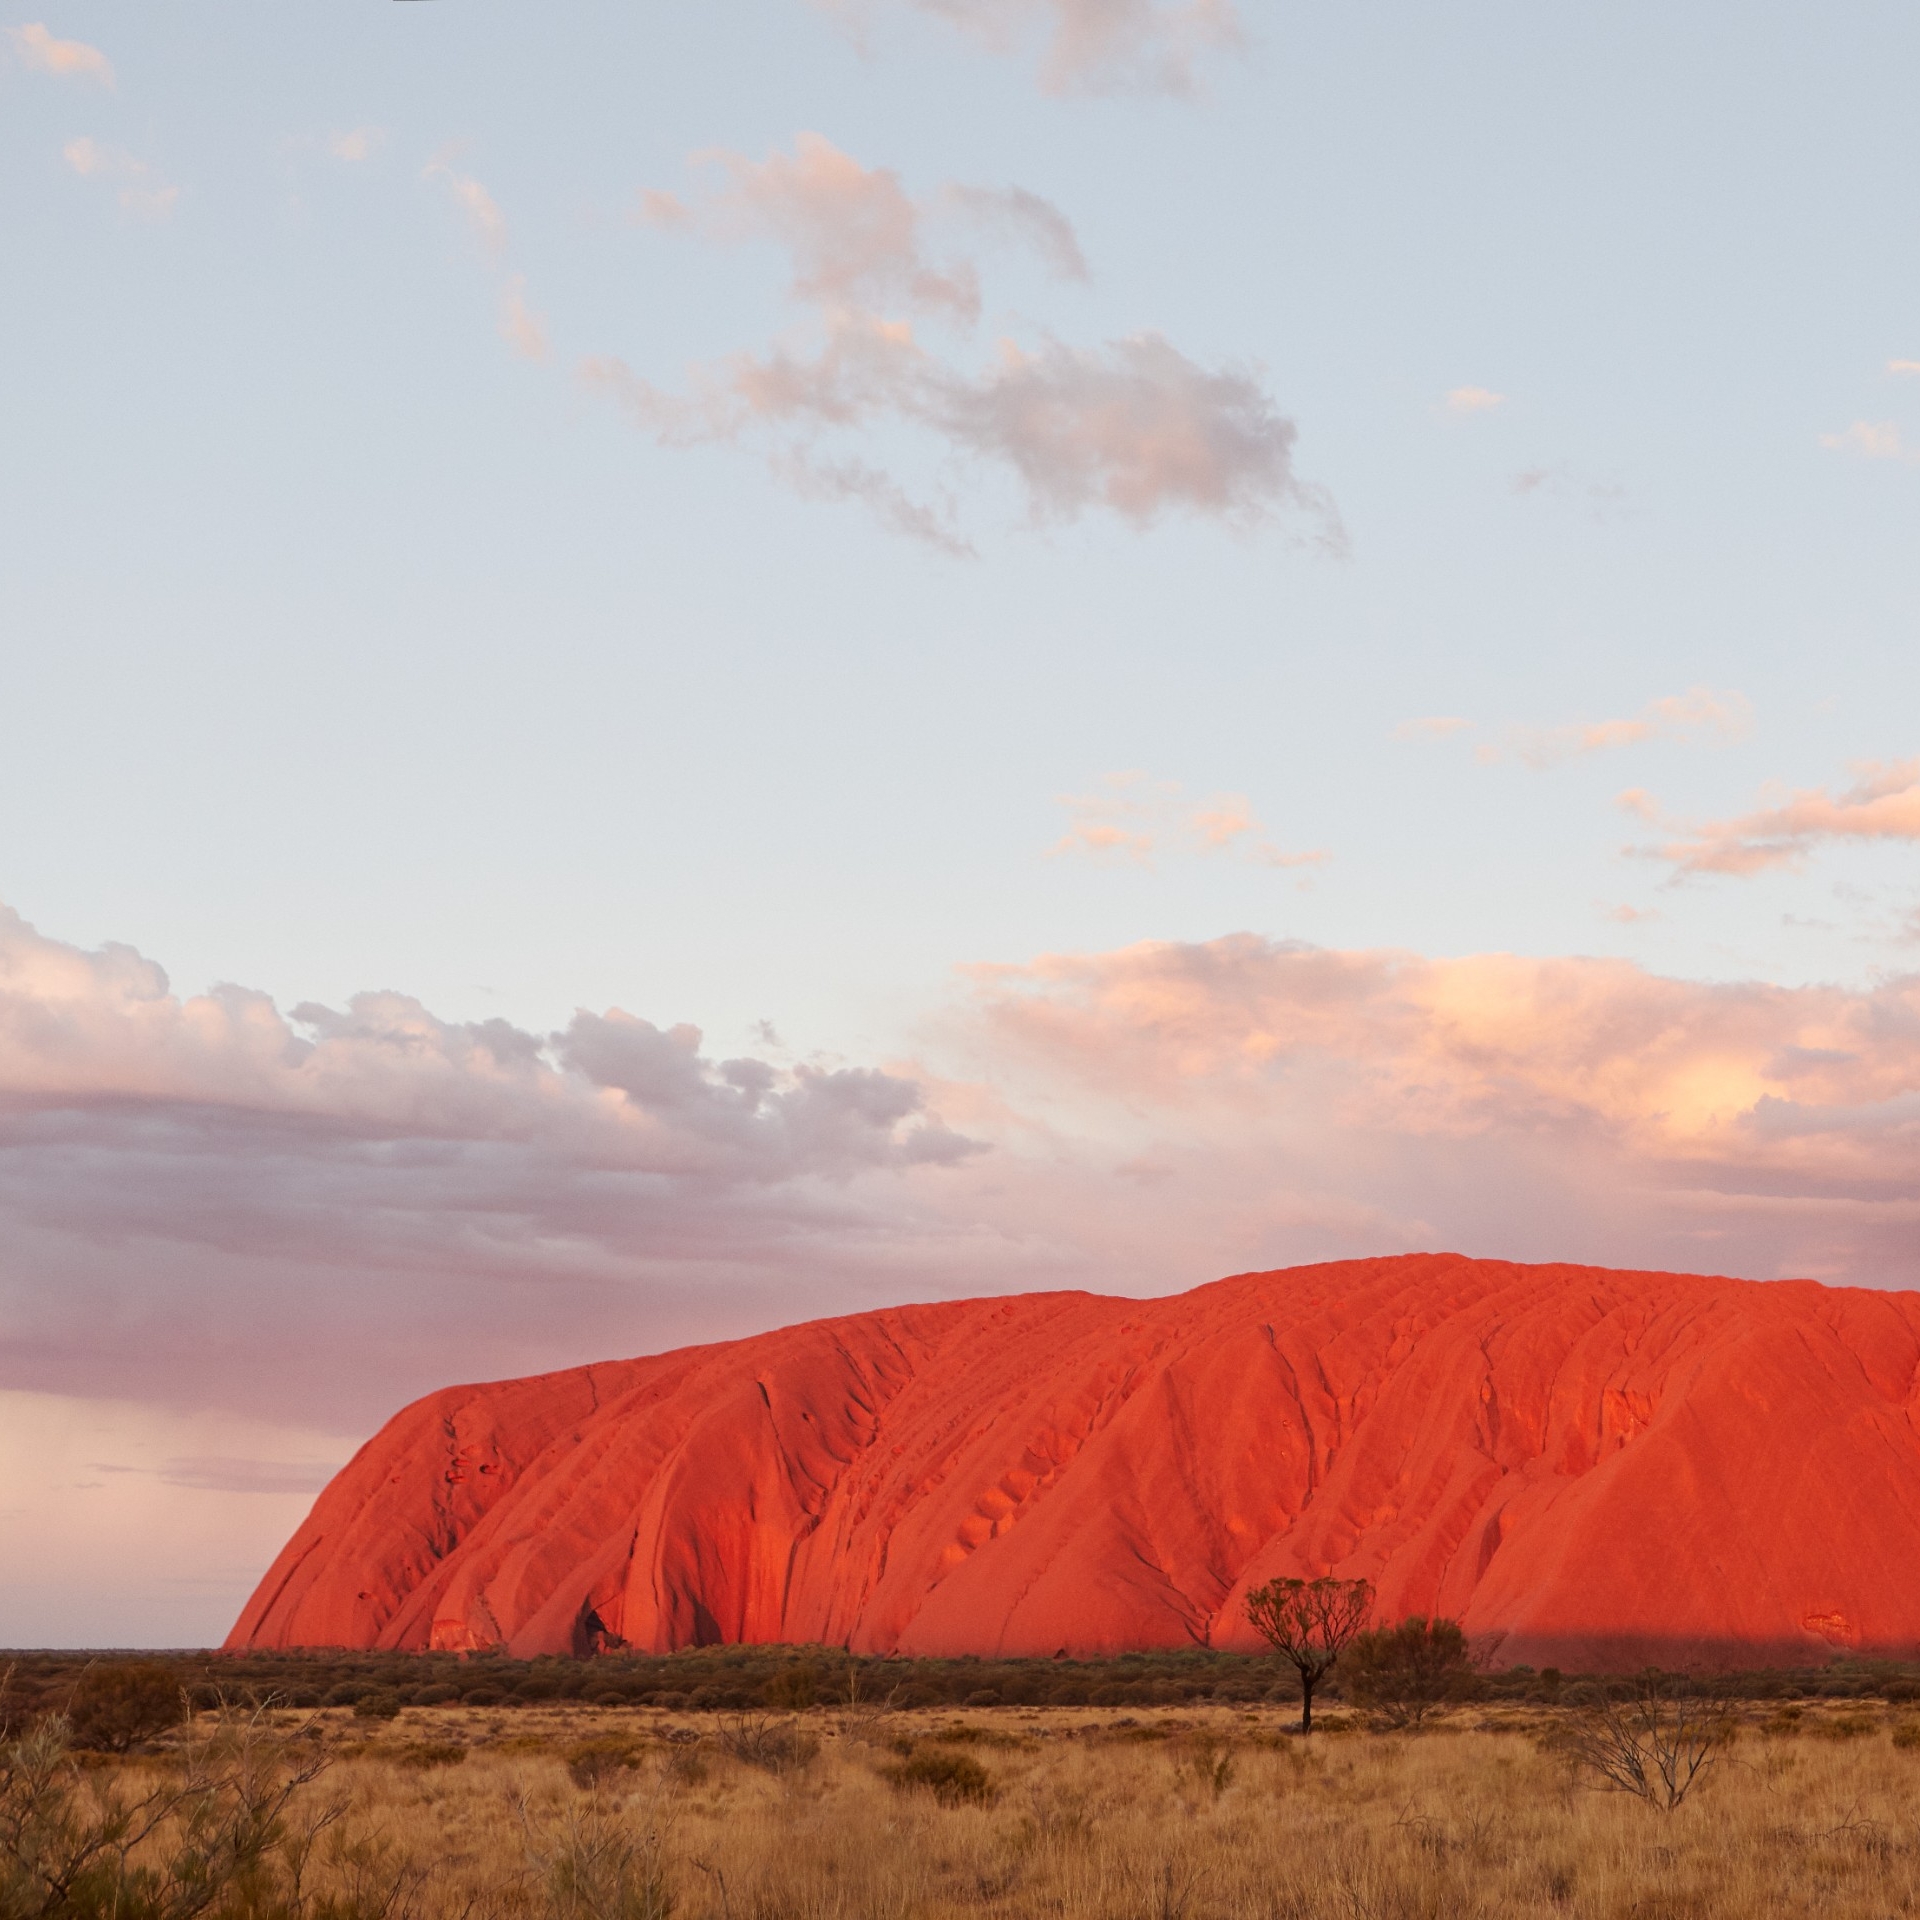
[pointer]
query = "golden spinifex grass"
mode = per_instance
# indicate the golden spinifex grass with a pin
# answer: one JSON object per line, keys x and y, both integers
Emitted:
{"x": 567, "y": 1814}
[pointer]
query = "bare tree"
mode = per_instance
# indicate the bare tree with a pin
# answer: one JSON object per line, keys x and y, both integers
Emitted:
{"x": 1310, "y": 1622}
{"x": 1653, "y": 1737}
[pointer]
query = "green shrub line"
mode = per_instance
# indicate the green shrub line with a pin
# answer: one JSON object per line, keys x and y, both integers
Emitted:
{"x": 115, "y": 1693}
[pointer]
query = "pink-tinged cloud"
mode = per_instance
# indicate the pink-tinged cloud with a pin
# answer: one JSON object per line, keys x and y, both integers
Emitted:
{"x": 1136, "y": 427}
{"x": 305, "y": 1217}
{"x": 858, "y": 241}
{"x": 1436, "y": 726}
{"x": 1090, "y": 46}
{"x": 1132, "y": 427}
{"x": 485, "y": 221}
{"x": 522, "y": 329}
{"x": 137, "y": 190}
{"x": 37, "y": 48}
{"x": 1883, "y": 804}
{"x": 1021, "y": 215}
{"x": 1799, "y": 1107}
{"x": 1903, "y": 369}
{"x": 1870, "y": 439}
{"x": 1134, "y": 819}
{"x": 355, "y": 144}
{"x": 1699, "y": 713}
{"x": 1474, "y": 400}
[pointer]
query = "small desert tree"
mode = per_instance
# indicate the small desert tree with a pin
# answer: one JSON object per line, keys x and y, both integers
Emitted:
{"x": 1404, "y": 1672}
{"x": 1310, "y": 1623}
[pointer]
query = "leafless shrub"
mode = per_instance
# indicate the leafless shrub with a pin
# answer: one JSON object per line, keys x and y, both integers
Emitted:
{"x": 590, "y": 1763}
{"x": 1654, "y": 1738}
{"x": 775, "y": 1746}
{"x": 864, "y": 1715}
{"x": 952, "y": 1778}
{"x": 1205, "y": 1762}
{"x": 215, "y": 1820}
{"x": 600, "y": 1861}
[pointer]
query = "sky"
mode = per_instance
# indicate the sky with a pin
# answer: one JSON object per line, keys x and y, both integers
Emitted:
{"x": 664, "y": 670}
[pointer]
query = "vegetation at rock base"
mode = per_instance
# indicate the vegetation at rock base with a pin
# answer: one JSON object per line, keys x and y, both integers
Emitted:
{"x": 1407, "y": 1672}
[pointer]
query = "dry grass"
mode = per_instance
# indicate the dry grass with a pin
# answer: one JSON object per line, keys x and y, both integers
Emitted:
{"x": 578, "y": 1814}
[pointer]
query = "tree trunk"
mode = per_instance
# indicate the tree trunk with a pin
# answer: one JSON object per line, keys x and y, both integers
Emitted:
{"x": 1306, "y": 1700}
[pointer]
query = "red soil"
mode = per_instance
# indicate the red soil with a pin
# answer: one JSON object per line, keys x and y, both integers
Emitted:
{"x": 1586, "y": 1468}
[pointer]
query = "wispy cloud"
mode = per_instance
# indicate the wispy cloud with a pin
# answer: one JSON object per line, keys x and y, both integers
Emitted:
{"x": 1433, "y": 726}
{"x": 1883, "y": 804}
{"x": 523, "y": 330}
{"x": 67, "y": 59}
{"x": 857, "y": 239}
{"x": 1474, "y": 400}
{"x": 1869, "y": 439}
{"x": 1603, "y": 499}
{"x": 1904, "y": 369}
{"x": 1132, "y": 818}
{"x": 484, "y": 218}
{"x": 1699, "y": 713}
{"x": 137, "y": 189}
{"x": 1131, "y": 426}
{"x": 1088, "y": 46}
{"x": 355, "y": 144}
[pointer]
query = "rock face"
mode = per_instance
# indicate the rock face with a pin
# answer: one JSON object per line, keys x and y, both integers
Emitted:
{"x": 1588, "y": 1469}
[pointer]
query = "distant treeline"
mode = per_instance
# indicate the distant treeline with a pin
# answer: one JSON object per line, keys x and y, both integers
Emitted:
{"x": 795, "y": 1679}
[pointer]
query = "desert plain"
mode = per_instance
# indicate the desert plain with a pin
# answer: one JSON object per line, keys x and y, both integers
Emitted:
{"x": 847, "y": 1807}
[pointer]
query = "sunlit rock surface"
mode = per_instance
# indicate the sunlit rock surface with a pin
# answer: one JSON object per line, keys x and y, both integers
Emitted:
{"x": 1586, "y": 1468}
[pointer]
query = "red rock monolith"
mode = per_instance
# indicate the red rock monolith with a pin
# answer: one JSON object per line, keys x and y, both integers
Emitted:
{"x": 1588, "y": 1469}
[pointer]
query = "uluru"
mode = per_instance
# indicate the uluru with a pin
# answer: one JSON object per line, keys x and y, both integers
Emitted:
{"x": 1588, "y": 1469}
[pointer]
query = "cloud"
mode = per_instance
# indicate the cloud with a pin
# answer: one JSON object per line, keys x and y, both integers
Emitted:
{"x": 67, "y": 59}
{"x": 358, "y": 143}
{"x": 1883, "y": 804}
{"x": 1904, "y": 369}
{"x": 1699, "y": 712}
{"x": 210, "y": 1198}
{"x": 1604, "y": 500}
{"x": 1132, "y": 426}
{"x": 525, "y": 332}
{"x": 1024, "y": 215}
{"x": 1437, "y": 726}
{"x": 1134, "y": 819}
{"x": 484, "y": 218}
{"x": 520, "y": 327}
{"x": 1474, "y": 400}
{"x": 856, "y": 238}
{"x": 1297, "y": 1102}
{"x": 139, "y": 192}
{"x": 1871, "y": 440}
{"x": 1090, "y": 46}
